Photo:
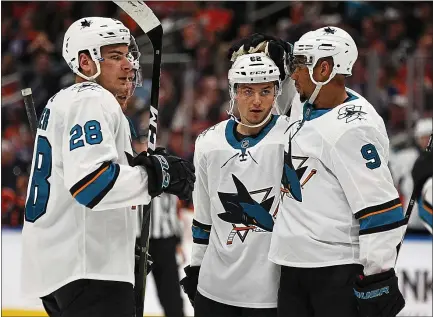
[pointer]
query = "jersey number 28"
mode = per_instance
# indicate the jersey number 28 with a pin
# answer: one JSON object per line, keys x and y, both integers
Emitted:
{"x": 92, "y": 132}
{"x": 37, "y": 201}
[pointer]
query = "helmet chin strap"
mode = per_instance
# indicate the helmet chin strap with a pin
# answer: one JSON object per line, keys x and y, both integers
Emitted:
{"x": 232, "y": 117}
{"x": 232, "y": 105}
{"x": 129, "y": 94}
{"x": 318, "y": 85}
{"x": 93, "y": 77}
{"x": 98, "y": 72}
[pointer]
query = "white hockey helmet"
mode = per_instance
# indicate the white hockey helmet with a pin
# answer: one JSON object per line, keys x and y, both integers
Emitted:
{"x": 326, "y": 42}
{"x": 252, "y": 69}
{"x": 91, "y": 34}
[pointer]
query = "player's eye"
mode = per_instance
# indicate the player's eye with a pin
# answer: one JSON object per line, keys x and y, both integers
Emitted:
{"x": 265, "y": 92}
{"x": 248, "y": 92}
{"x": 116, "y": 57}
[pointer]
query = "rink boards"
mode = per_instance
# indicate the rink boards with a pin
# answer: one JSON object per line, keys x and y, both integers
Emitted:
{"x": 414, "y": 269}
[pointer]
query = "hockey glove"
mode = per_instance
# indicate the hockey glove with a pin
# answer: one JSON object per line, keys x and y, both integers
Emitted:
{"x": 278, "y": 50}
{"x": 378, "y": 295}
{"x": 167, "y": 173}
{"x": 422, "y": 170}
{"x": 190, "y": 281}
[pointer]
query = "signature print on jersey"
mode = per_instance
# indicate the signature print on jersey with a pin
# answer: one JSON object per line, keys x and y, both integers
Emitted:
{"x": 351, "y": 113}
{"x": 241, "y": 208}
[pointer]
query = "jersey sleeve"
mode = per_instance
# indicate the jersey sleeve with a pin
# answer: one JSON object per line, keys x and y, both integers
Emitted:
{"x": 90, "y": 154}
{"x": 425, "y": 208}
{"x": 202, "y": 222}
{"x": 360, "y": 163}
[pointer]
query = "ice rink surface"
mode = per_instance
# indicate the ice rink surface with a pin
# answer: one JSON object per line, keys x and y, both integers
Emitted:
{"x": 414, "y": 269}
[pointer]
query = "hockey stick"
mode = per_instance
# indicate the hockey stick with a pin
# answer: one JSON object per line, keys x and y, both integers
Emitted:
{"x": 412, "y": 200}
{"x": 149, "y": 23}
{"x": 30, "y": 109}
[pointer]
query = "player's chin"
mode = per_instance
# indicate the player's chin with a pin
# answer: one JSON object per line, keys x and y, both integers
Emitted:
{"x": 256, "y": 117}
{"x": 303, "y": 97}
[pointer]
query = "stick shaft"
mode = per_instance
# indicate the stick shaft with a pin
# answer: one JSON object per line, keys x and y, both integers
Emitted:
{"x": 413, "y": 198}
{"x": 30, "y": 109}
{"x": 151, "y": 25}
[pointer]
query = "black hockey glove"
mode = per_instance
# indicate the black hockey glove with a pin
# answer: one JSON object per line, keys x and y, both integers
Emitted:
{"x": 190, "y": 281}
{"x": 281, "y": 52}
{"x": 378, "y": 295}
{"x": 422, "y": 170}
{"x": 167, "y": 173}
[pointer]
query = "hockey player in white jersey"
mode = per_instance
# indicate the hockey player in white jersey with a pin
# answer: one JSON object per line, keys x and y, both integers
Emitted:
{"x": 238, "y": 168}
{"x": 79, "y": 231}
{"x": 338, "y": 240}
{"x": 402, "y": 163}
{"x": 337, "y": 245}
{"x": 422, "y": 178}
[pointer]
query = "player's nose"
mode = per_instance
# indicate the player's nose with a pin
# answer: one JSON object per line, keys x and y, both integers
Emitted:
{"x": 257, "y": 99}
{"x": 126, "y": 65}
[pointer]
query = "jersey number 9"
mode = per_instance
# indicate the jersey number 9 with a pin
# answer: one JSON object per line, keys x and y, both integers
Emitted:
{"x": 369, "y": 152}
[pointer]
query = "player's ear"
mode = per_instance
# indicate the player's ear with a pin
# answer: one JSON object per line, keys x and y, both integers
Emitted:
{"x": 85, "y": 62}
{"x": 236, "y": 91}
{"x": 323, "y": 68}
{"x": 326, "y": 66}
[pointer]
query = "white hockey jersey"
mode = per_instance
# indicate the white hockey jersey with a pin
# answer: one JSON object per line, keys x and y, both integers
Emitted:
{"x": 425, "y": 204}
{"x": 349, "y": 211}
{"x": 235, "y": 179}
{"x": 78, "y": 217}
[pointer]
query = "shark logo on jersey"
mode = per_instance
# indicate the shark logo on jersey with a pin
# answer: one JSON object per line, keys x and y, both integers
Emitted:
{"x": 293, "y": 172}
{"x": 351, "y": 113}
{"x": 241, "y": 208}
{"x": 291, "y": 185}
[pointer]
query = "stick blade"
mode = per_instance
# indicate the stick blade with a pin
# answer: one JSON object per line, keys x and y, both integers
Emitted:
{"x": 140, "y": 13}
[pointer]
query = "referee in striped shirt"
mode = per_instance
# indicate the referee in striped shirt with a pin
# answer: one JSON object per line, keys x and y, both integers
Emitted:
{"x": 165, "y": 237}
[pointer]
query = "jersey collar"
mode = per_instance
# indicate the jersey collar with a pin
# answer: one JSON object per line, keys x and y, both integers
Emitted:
{"x": 131, "y": 127}
{"x": 248, "y": 141}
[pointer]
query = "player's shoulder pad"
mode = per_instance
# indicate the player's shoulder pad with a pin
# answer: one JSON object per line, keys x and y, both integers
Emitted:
{"x": 87, "y": 88}
{"x": 356, "y": 114}
{"x": 92, "y": 91}
{"x": 211, "y": 136}
{"x": 282, "y": 123}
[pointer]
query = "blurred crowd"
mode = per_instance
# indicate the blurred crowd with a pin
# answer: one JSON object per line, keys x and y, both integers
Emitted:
{"x": 395, "y": 42}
